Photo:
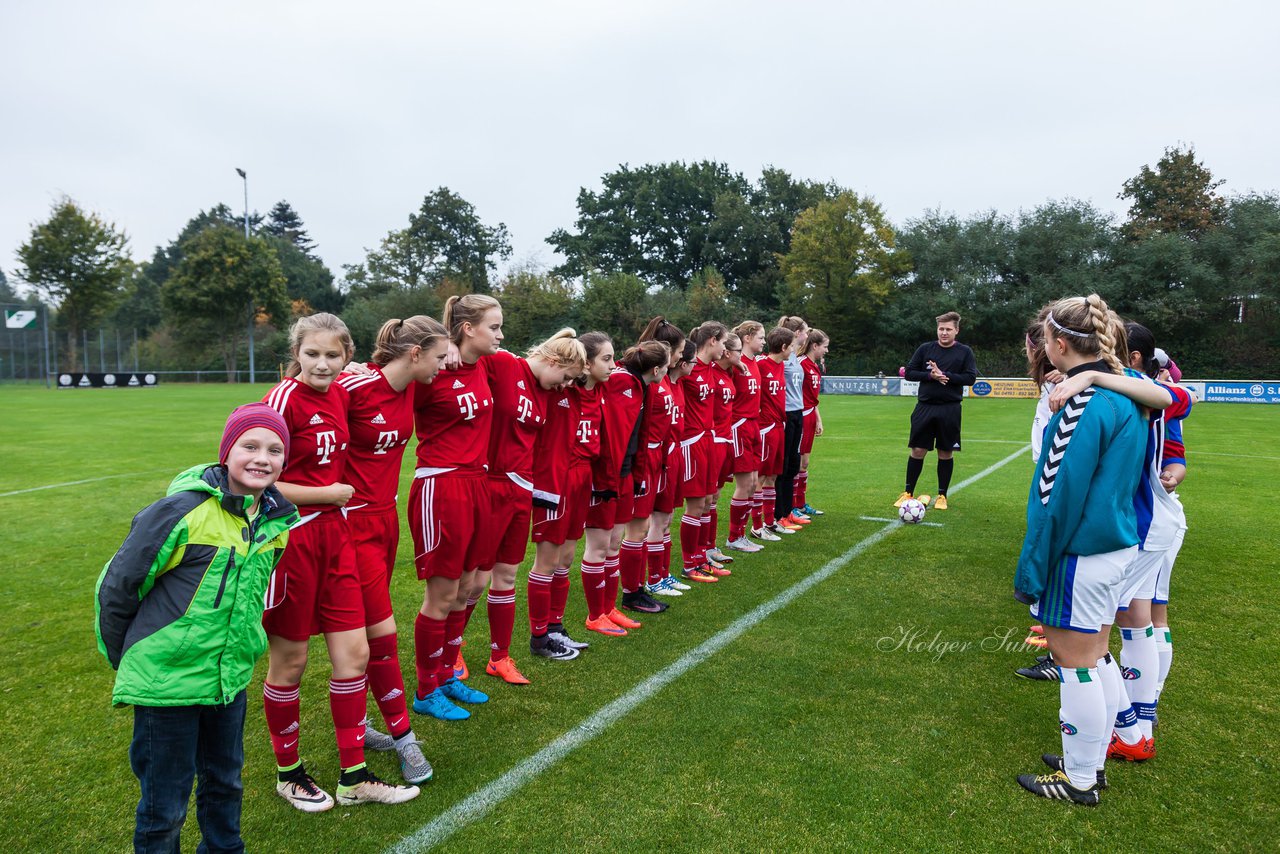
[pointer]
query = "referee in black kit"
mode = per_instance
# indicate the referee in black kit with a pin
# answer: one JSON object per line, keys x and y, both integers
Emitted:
{"x": 943, "y": 368}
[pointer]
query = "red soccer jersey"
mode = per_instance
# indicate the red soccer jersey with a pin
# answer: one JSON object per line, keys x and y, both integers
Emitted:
{"x": 812, "y": 385}
{"x": 699, "y": 400}
{"x": 773, "y": 392}
{"x": 724, "y": 393}
{"x": 520, "y": 410}
{"x": 453, "y": 416}
{"x": 586, "y": 409}
{"x": 318, "y": 435}
{"x": 677, "y": 411}
{"x": 624, "y": 396}
{"x": 657, "y": 425}
{"x": 746, "y": 387}
{"x": 553, "y": 449}
{"x": 380, "y": 420}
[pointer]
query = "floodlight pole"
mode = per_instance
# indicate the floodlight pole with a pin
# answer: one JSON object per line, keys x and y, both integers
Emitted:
{"x": 245, "y": 177}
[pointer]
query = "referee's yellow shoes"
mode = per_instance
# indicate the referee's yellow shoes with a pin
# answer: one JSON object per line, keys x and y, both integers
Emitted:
{"x": 940, "y": 503}
{"x": 902, "y": 499}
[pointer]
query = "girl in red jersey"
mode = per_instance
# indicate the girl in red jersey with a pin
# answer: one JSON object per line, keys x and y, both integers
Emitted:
{"x": 564, "y": 453}
{"x": 722, "y": 449}
{"x": 773, "y": 408}
{"x": 623, "y": 470}
{"x": 698, "y": 478}
{"x": 380, "y": 421}
{"x": 669, "y": 479}
{"x": 815, "y": 349}
{"x": 522, "y": 389}
{"x": 745, "y": 435}
{"x": 654, "y": 442}
{"x": 449, "y": 502}
{"x": 316, "y": 586}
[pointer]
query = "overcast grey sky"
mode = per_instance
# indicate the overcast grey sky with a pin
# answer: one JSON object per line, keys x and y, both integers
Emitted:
{"x": 355, "y": 111}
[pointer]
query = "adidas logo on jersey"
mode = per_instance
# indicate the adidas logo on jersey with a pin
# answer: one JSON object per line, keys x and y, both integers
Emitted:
{"x": 378, "y": 419}
{"x": 564, "y": 401}
{"x": 315, "y": 419}
{"x": 458, "y": 384}
{"x": 520, "y": 384}
{"x": 627, "y": 393}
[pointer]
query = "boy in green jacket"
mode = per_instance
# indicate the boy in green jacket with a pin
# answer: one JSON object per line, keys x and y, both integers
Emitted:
{"x": 179, "y": 617}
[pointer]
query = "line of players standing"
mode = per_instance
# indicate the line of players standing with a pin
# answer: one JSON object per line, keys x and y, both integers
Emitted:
{"x": 562, "y": 444}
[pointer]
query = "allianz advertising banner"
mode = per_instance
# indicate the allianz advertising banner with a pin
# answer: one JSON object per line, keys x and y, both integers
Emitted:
{"x": 1222, "y": 391}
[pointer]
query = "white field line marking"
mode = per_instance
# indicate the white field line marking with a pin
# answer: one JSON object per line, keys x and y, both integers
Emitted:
{"x": 78, "y": 482}
{"x": 482, "y": 801}
{"x": 1235, "y": 456}
{"x": 882, "y": 519}
{"x": 825, "y": 438}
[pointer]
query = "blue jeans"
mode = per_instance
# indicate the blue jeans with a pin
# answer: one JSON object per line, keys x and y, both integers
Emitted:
{"x": 172, "y": 746}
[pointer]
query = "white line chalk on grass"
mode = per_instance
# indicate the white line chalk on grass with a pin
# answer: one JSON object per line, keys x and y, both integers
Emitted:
{"x": 78, "y": 482}
{"x": 481, "y": 802}
{"x": 883, "y": 519}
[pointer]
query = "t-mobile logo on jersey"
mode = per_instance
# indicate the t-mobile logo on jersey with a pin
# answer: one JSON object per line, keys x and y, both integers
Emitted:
{"x": 326, "y": 442}
{"x": 675, "y": 413}
{"x": 467, "y": 405}
{"x": 726, "y": 394}
{"x": 704, "y": 391}
{"x": 524, "y": 408}
{"x": 774, "y": 385}
{"x": 752, "y": 386}
{"x": 386, "y": 439}
{"x": 584, "y": 431}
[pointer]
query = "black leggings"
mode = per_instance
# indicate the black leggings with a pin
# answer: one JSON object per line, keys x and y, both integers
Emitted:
{"x": 786, "y": 482}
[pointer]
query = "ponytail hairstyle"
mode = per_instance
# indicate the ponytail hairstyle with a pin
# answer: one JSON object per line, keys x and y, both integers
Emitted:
{"x": 747, "y": 328}
{"x": 660, "y": 329}
{"x": 593, "y": 343}
{"x": 732, "y": 341}
{"x": 1038, "y": 364}
{"x": 707, "y": 331}
{"x": 794, "y": 322}
{"x": 397, "y": 337}
{"x": 468, "y": 308}
{"x": 689, "y": 353}
{"x": 779, "y": 339}
{"x": 1088, "y": 327}
{"x": 321, "y": 322}
{"x": 1141, "y": 340}
{"x": 645, "y": 356}
{"x": 562, "y": 350}
{"x": 816, "y": 339}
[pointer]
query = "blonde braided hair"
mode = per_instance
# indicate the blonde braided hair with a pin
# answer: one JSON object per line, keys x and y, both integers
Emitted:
{"x": 1088, "y": 326}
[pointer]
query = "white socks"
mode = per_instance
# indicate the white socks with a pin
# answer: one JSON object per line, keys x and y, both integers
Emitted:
{"x": 1084, "y": 723}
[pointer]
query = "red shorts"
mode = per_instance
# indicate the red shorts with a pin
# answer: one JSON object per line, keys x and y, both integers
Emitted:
{"x": 656, "y": 460}
{"x": 746, "y": 447}
{"x": 375, "y": 537}
{"x": 565, "y": 523}
{"x": 449, "y": 520}
{"x": 809, "y": 429}
{"x": 722, "y": 453}
{"x": 315, "y": 588}
{"x": 698, "y": 478}
{"x": 511, "y": 509}
{"x": 615, "y": 511}
{"x": 772, "y": 450}
{"x": 670, "y": 487}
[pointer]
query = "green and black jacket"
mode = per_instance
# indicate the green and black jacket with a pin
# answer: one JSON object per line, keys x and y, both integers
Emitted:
{"x": 179, "y": 606}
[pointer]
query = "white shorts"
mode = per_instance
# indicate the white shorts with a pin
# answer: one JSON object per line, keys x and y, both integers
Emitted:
{"x": 1162, "y": 576}
{"x": 1083, "y": 591}
{"x": 1140, "y": 578}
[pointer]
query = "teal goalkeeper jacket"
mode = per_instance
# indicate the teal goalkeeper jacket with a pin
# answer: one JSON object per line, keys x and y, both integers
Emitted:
{"x": 179, "y": 606}
{"x": 1081, "y": 499}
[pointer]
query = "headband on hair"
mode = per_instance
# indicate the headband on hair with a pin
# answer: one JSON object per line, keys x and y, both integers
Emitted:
{"x": 1058, "y": 326}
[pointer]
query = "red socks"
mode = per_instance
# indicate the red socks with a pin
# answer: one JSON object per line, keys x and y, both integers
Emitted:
{"x": 802, "y": 486}
{"x": 539, "y": 601}
{"x": 280, "y": 702}
{"x": 633, "y": 554}
{"x": 502, "y": 620}
{"x": 453, "y": 630}
{"x": 690, "y": 541}
{"x": 666, "y": 554}
{"x": 654, "y": 563}
{"x": 738, "y": 510}
{"x": 770, "y": 500}
{"x": 757, "y": 511}
{"x": 594, "y": 585}
{"x": 387, "y": 684}
{"x": 710, "y": 523}
{"x": 347, "y": 704}
{"x": 559, "y": 593}
{"x": 612, "y": 579}
{"x": 428, "y": 647}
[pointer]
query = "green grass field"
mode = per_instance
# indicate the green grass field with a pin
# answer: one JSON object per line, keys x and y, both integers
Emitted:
{"x": 814, "y": 730}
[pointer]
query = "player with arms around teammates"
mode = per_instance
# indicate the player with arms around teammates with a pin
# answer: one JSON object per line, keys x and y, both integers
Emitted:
{"x": 943, "y": 368}
{"x": 1081, "y": 537}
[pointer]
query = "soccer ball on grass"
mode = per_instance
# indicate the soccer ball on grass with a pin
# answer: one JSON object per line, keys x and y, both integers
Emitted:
{"x": 911, "y": 511}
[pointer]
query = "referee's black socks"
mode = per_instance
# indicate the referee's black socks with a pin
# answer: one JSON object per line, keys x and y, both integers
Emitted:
{"x": 945, "y": 468}
{"x": 914, "y": 467}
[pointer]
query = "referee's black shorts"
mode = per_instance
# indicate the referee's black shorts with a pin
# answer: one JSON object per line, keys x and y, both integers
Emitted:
{"x": 935, "y": 423}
